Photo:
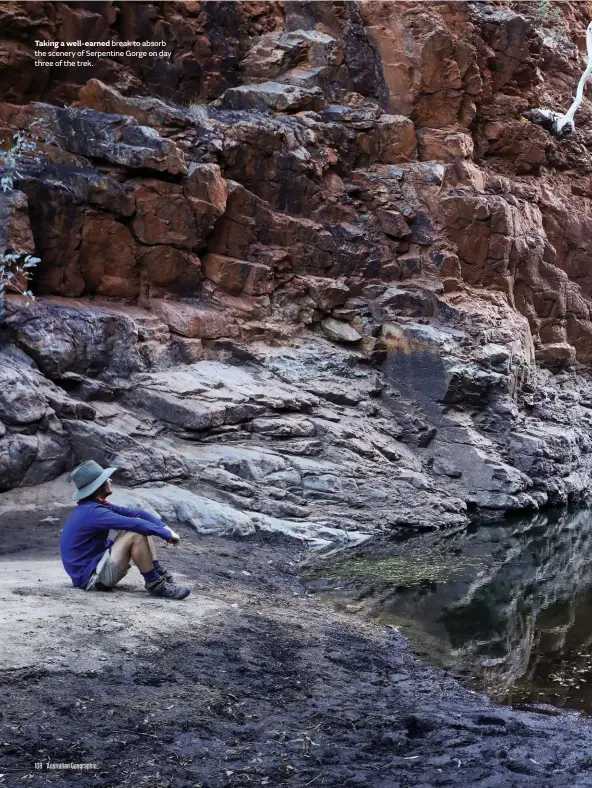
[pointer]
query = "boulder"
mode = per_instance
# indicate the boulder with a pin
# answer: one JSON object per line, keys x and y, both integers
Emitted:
{"x": 396, "y": 139}
{"x": 98, "y": 135}
{"x": 109, "y": 446}
{"x": 28, "y": 460}
{"x": 22, "y": 399}
{"x": 164, "y": 215}
{"x": 407, "y": 301}
{"x": 33, "y": 445}
{"x": 265, "y": 59}
{"x": 274, "y": 97}
{"x": 191, "y": 320}
{"x": 146, "y": 111}
{"x": 108, "y": 257}
{"x": 238, "y": 276}
{"x": 365, "y": 115}
{"x": 67, "y": 408}
{"x": 326, "y": 293}
{"x": 66, "y": 335}
{"x": 188, "y": 412}
{"x": 469, "y": 384}
{"x": 142, "y": 147}
{"x": 321, "y": 49}
{"x": 284, "y": 428}
{"x": 393, "y": 223}
{"x": 444, "y": 145}
{"x": 205, "y": 182}
{"x": 422, "y": 230}
{"x": 274, "y": 53}
{"x": 493, "y": 354}
{"x": 339, "y": 331}
{"x": 171, "y": 268}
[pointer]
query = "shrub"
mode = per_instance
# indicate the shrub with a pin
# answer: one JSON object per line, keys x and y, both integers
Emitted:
{"x": 15, "y": 264}
{"x": 14, "y": 271}
{"x": 547, "y": 14}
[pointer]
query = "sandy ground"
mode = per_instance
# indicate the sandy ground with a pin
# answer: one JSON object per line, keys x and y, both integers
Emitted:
{"x": 40, "y": 609}
{"x": 250, "y": 681}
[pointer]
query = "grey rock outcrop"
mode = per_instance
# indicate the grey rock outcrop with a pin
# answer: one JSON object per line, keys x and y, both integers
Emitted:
{"x": 273, "y": 96}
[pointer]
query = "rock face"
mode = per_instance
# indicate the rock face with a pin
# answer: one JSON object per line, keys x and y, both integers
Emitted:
{"x": 353, "y": 219}
{"x": 206, "y": 43}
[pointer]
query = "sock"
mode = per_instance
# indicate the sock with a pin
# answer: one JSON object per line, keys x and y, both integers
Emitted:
{"x": 151, "y": 576}
{"x": 156, "y": 564}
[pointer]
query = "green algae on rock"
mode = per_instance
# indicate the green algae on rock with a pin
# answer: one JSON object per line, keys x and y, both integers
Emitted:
{"x": 414, "y": 566}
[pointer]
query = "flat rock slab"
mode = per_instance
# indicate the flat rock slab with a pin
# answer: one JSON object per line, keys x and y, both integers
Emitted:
{"x": 273, "y": 96}
{"x": 177, "y": 505}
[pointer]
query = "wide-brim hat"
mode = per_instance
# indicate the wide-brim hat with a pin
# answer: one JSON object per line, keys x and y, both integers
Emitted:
{"x": 88, "y": 477}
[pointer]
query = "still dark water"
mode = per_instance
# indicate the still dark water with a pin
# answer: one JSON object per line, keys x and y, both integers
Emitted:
{"x": 506, "y": 607}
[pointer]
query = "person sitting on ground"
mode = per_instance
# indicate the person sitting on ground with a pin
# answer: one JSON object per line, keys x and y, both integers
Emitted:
{"x": 97, "y": 563}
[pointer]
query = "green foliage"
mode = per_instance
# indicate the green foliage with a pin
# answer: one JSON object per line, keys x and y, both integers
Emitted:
{"x": 24, "y": 142}
{"x": 542, "y": 10}
{"x": 548, "y": 14}
{"x": 15, "y": 265}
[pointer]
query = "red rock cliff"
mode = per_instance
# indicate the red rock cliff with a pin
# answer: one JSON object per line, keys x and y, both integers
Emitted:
{"x": 358, "y": 172}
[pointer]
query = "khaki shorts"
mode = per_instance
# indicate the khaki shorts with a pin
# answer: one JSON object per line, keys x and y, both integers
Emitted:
{"x": 106, "y": 572}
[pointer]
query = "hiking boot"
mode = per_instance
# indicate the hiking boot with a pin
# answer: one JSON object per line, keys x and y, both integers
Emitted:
{"x": 165, "y": 590}
{"x": 165, "y": 573}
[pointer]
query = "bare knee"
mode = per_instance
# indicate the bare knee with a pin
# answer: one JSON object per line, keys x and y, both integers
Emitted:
{"x": 125, "y": 544}
{"x": 129, "y": 536}
{"x": 123, "y": 535}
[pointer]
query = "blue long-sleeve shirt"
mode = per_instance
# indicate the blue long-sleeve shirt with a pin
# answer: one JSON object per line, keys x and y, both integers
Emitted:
{"x": 85, "y": 536}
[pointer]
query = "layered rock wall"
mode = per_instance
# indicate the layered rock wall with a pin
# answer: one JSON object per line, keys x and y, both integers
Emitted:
{"x": 346, "y": 200}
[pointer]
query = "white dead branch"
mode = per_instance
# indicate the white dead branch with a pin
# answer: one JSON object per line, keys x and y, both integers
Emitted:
{"x": 555, "y": 123}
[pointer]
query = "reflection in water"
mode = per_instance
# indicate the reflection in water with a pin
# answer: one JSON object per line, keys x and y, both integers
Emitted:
{"x": 509, "y": 605}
